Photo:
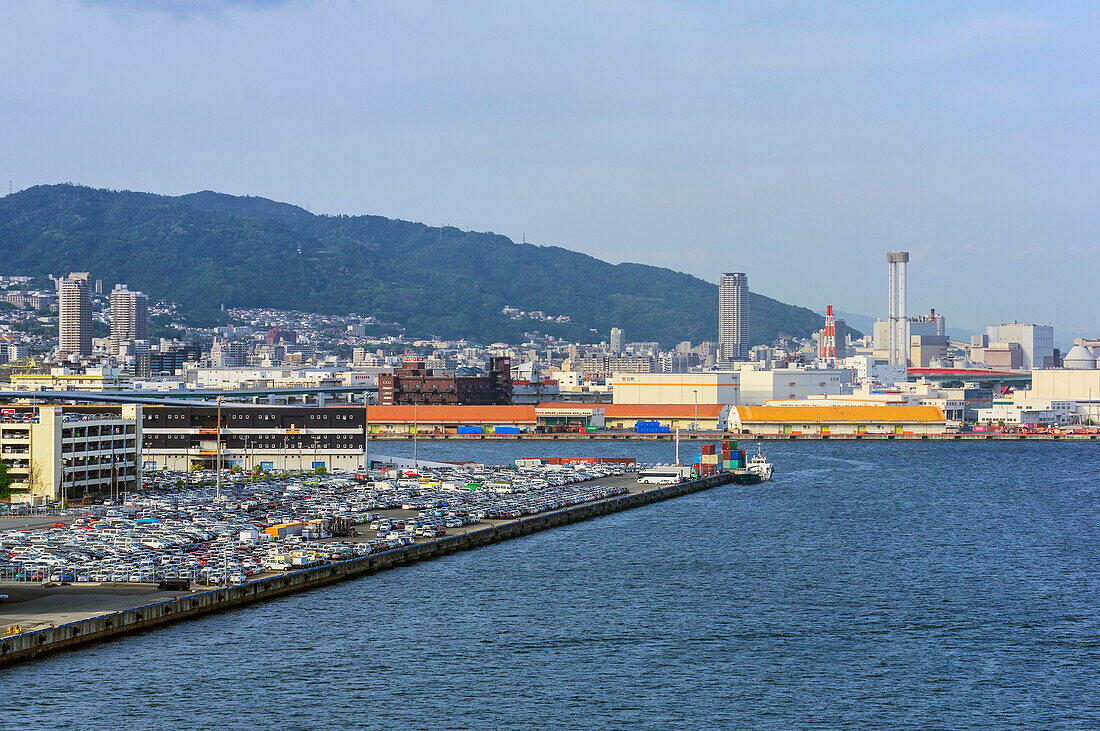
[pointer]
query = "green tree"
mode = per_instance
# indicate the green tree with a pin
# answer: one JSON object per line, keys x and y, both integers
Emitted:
{"x": 5, "y": 481}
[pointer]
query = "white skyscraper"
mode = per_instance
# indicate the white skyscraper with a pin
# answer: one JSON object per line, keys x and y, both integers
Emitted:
{"x": 129, "y": 316}
{"x": 733, "y": 317}
{"x": 74, "y": 303}
{"x": 616, "y": 340}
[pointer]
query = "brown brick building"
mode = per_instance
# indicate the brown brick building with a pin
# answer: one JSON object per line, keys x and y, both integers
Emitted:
{"x": 415, "y": 384}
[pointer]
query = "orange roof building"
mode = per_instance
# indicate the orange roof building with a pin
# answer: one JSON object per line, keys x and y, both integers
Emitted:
{"x": 855, "y": 419}
{"x": 705, "y": 417}
{"x": 444, "y": 418}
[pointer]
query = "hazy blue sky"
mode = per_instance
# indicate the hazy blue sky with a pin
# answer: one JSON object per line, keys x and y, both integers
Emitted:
{"x": 796, "y": 141}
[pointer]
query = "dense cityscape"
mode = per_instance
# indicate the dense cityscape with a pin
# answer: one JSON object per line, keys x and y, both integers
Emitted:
{"x": 592, "y": 365}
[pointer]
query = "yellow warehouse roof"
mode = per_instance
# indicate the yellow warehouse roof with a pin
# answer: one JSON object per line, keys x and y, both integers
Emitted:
{"x": 834, "y": 414}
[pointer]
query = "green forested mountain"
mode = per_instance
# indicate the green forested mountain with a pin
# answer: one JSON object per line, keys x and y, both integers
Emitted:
{"x": 207, "y": 249}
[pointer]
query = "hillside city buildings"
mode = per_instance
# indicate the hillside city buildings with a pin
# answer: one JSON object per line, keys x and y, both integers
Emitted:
{"x": 271, "y": 370}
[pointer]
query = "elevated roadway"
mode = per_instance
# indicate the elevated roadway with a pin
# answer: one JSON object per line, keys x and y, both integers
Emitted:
{"x": 173, "y": 398}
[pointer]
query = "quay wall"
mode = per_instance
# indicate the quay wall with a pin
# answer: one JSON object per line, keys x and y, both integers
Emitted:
{"x": 714, "y": 436}
{"x": 30, "y": 645}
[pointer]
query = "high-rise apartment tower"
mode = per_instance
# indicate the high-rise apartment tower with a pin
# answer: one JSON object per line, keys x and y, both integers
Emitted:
{"x": 733, "y": 317}
{"x": 616, "y": 340}
{"x": 74, "y": 303}
{"x": 129, "y": 316}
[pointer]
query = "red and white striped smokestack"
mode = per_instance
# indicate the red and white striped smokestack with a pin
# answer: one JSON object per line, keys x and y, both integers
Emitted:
{"x": 829, "y": 344}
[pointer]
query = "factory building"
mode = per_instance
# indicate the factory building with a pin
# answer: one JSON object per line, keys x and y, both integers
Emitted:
{"x": 837, "y": 420}
{"x": 1035, "y": 344}
{"x": 415, "y": 384}
{"x": 72, "y": 451}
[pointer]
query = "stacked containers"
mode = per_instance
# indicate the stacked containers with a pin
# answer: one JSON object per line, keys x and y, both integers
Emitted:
{"x": 732, "y": 457}
{"x": 706, "y": 463}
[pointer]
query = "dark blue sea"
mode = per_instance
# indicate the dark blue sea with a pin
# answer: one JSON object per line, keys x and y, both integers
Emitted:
{"x": 870, "y": 585}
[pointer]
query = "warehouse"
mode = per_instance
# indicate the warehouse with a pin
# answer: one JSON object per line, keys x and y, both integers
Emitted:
{"x": 687, "y": 417}
{"x": 267, "y": 437}
{"x": 450, "y": 419}
{"x": 719, "y": 387}
{"x": 837, "y": 420}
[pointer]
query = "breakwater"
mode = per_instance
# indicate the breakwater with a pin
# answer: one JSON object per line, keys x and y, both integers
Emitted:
{"x": 29, "y": 645}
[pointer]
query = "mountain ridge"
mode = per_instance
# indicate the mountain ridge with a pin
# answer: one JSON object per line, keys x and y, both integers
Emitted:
{"x": 206, "y": 249}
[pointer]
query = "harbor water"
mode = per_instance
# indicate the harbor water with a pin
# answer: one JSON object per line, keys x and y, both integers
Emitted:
{"x": 869, "y": 585}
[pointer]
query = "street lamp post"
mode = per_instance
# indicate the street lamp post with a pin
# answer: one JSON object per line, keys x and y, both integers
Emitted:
{"x": 366, "y": 433}
{"x": 218, "y": 451}
{"x": 695, "y": 424}
{"x": 416, "y": 464}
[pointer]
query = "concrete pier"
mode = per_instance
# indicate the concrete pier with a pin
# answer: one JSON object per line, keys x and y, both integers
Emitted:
{"x": 29, "y": 645}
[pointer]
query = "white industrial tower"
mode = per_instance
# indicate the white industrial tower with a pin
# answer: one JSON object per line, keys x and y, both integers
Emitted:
{"x": 899, "y": 322}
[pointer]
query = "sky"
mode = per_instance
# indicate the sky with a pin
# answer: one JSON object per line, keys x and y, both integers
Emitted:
{"x": 794, "y": 141}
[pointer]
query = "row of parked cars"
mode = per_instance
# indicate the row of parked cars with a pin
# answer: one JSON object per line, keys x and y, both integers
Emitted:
{"x": 212, "y": 536}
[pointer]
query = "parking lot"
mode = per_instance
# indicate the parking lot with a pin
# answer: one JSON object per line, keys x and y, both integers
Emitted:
{"x": 89, "y": 564}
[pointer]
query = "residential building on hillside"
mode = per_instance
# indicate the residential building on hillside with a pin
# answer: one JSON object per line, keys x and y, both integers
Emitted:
{"x": 74, "y": 314}
{"x": 733, "y": 317}
{"x": 129, "y": 316}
